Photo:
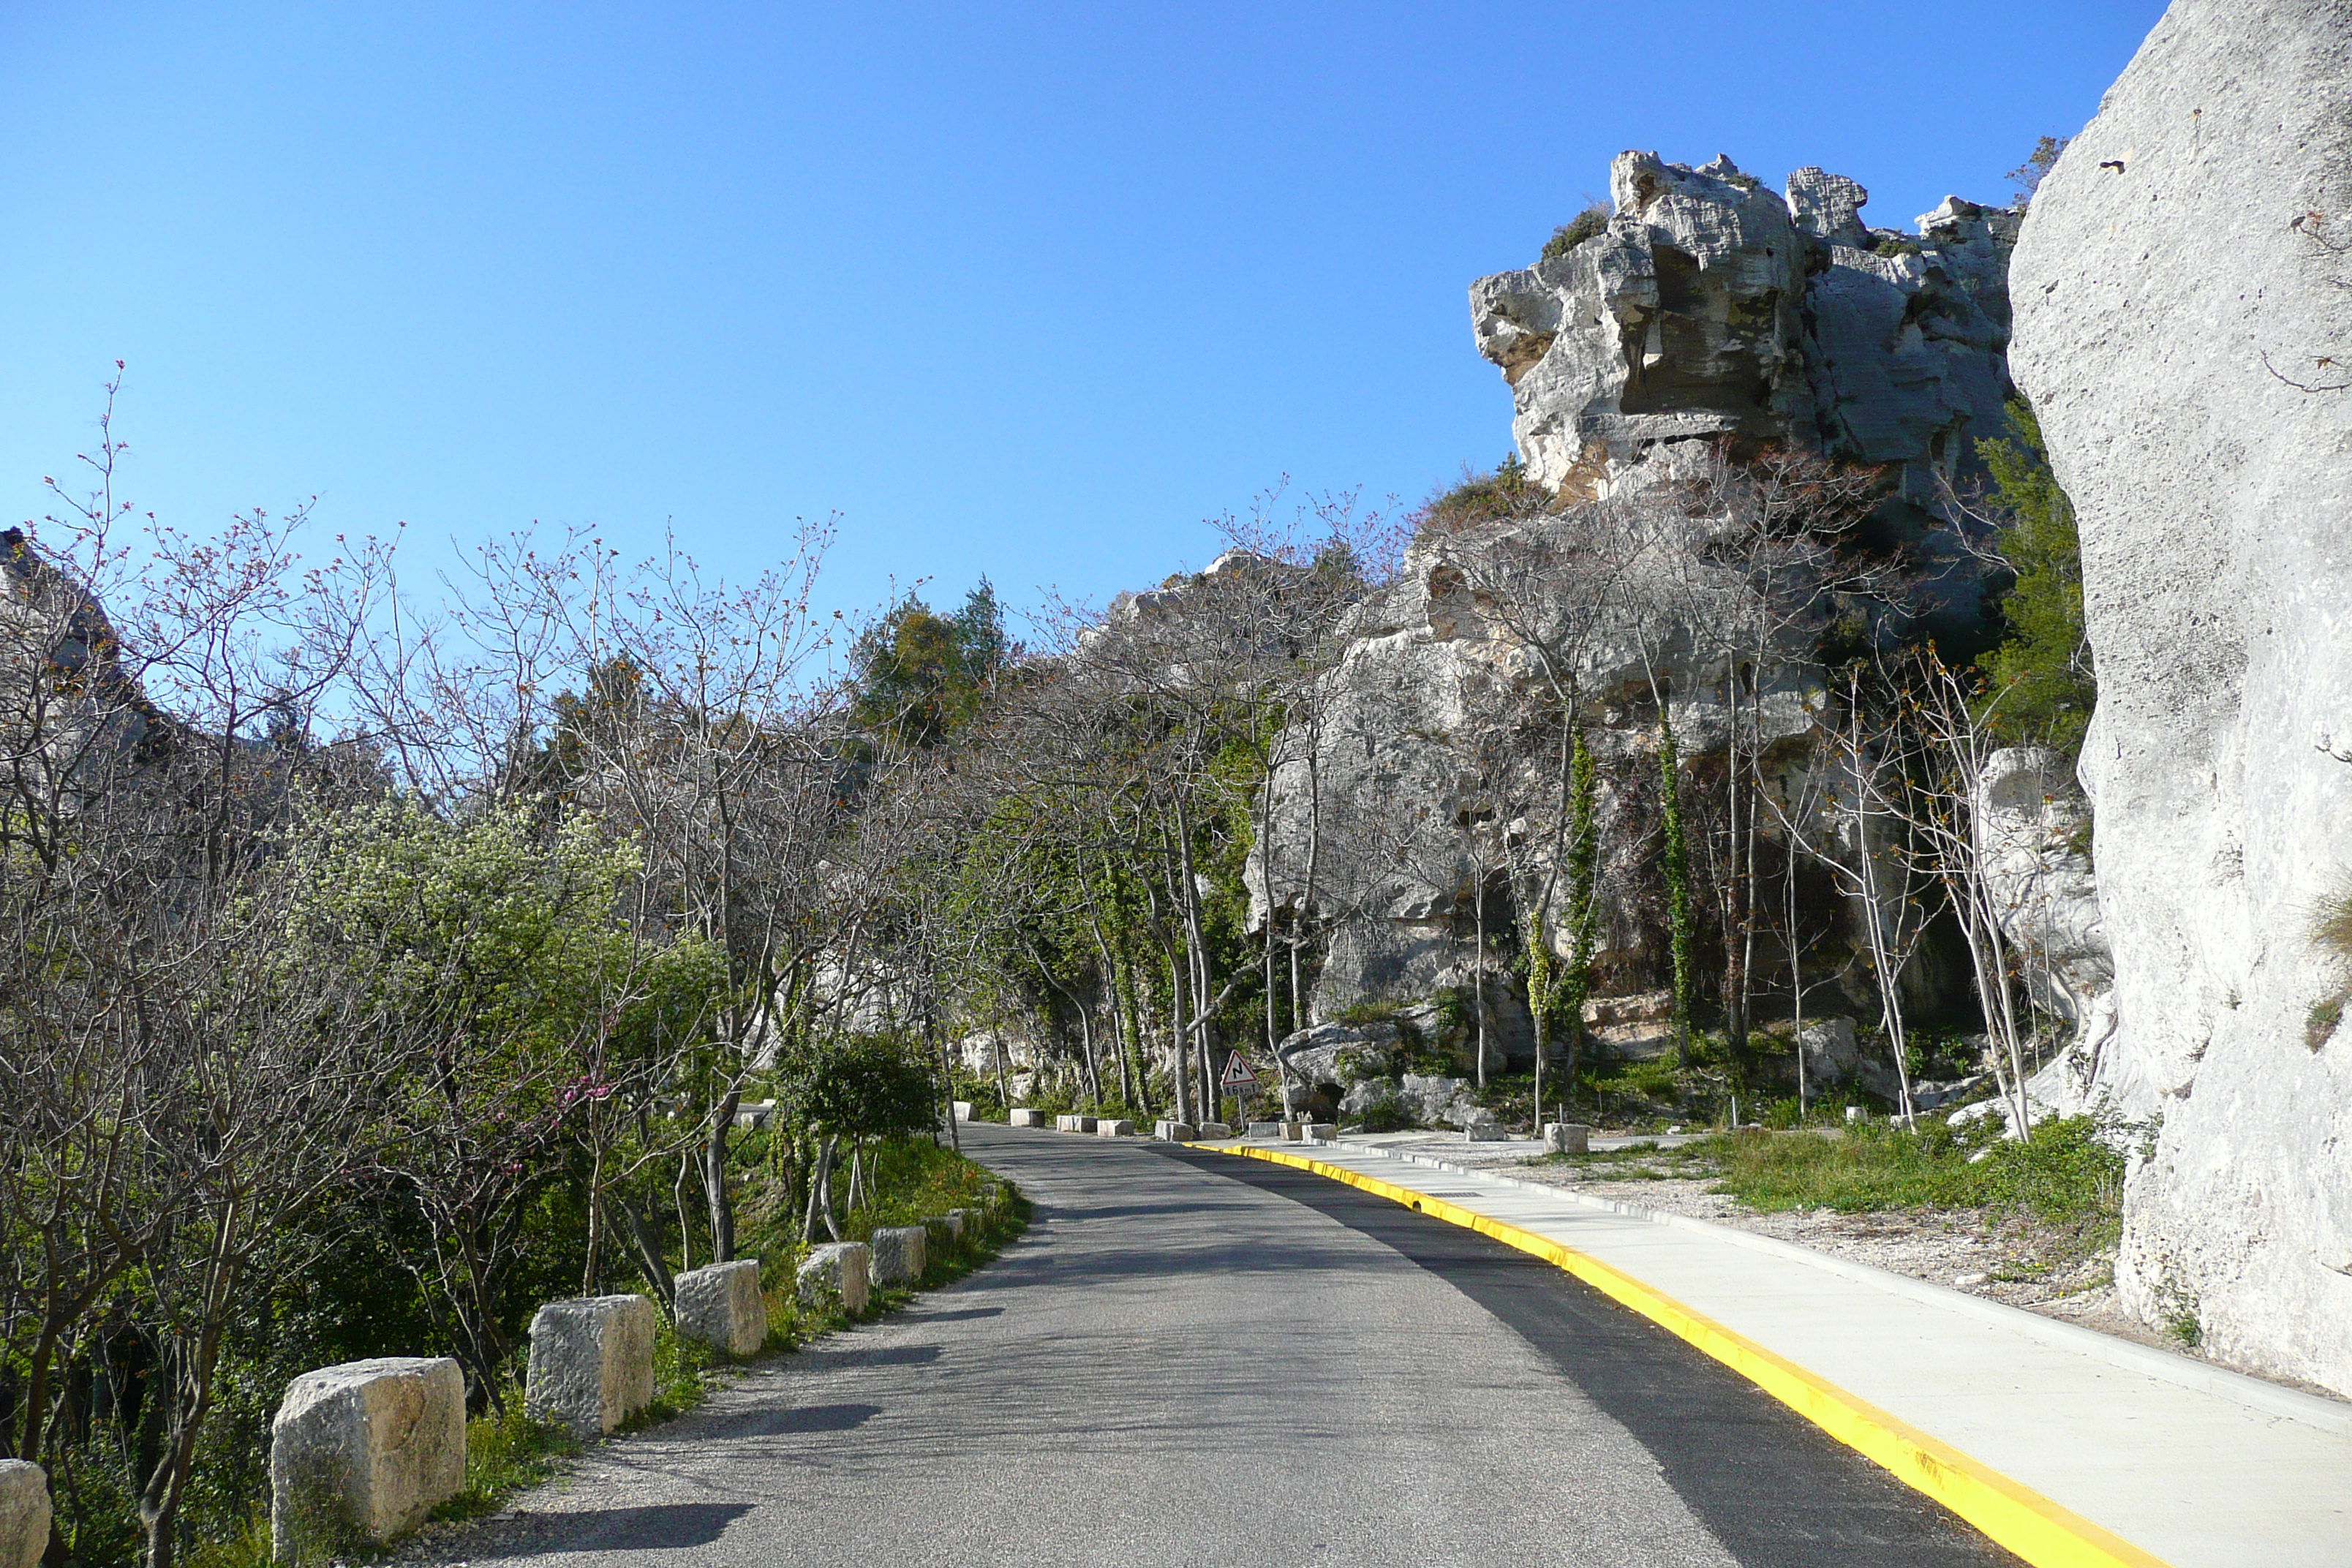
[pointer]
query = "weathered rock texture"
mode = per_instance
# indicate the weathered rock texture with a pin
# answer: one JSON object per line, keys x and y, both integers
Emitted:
{"x": 2034, "y": 831}
{"x": 898, "y": 1254}
{"x": 1713, "y": 306}
{"x": 1398, "y": 809}
{"x": 837, "y": 1273}
{"x": 2171, "y": 291}
{"x": 360, "y": 1453}
{"x": 592, "y": 1363}
{"x": 24, "y": 1513}
{"x": 722, "y": 1305}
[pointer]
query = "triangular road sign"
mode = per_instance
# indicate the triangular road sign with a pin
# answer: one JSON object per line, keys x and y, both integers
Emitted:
{"x": 1238, "y": 1073}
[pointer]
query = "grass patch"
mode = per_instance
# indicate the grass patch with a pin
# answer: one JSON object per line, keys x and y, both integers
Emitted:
{"x": 2319, "y": 1024}
{"x": 505, "y": 1453}
{"x": 2065, "y": 1175}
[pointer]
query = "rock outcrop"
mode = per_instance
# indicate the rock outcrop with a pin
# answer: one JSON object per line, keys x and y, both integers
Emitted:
{"x": 1713, "y": 306}
{"x": 1412, "y": 784}
{"x": 2034, "y": 831}
{"x": 2182, "y": 314}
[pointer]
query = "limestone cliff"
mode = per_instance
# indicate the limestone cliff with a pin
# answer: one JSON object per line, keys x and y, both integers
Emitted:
{"x": 2182, "y": 316}
{"x": 1711, "y": 306}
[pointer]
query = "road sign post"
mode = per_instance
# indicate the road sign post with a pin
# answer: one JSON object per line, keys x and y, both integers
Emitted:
{"x": 1240, "y": 1078}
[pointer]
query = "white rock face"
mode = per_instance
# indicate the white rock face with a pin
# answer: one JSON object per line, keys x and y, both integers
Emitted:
{"x": 592, "y": 1363}
{"x": 898, "y": 1254}
{"x": 722, "y": 1305}
{"x": 2034, "y": 829}
{"x": 1711, "y": 306}
{"x": 24, "y": 1513}
{"x": 2170, "y": 294}
{"x": 360, "y": 1452}
{"x": 836, "y": 1272}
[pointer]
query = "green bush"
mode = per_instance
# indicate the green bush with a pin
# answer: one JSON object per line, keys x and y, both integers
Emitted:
{"x": 1479, "y": 497}
{"x": 1593, "y": 221}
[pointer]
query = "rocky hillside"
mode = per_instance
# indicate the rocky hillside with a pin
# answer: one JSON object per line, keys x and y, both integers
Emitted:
{"x": 1708, "y": 320}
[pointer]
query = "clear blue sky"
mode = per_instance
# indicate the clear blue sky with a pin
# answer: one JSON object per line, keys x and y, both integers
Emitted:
{"x": 1026, "y": 291}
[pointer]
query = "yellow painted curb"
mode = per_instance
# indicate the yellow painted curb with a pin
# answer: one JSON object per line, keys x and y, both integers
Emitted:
{"x": 2018, "y": 1517}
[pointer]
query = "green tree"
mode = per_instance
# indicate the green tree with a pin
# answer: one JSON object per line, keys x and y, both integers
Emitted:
{"x": 2039, "y": 684}
{"x": 921, "y": 676}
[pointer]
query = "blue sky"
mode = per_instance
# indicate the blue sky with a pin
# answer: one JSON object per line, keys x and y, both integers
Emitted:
{"x": 1027, "y": 291}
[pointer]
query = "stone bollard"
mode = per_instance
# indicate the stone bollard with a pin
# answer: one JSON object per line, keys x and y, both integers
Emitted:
{"x": 899, "y": 1254}
{"x": 947, "y": 1232}
{"x": 1214, "y": 1131}
{"x": 24, "y": 1513}
{"x": 1065, "y": 1123}
{"x": 836, "y": 1272}
{"x": 1025, "y": 1116}
{"x": 1266, "y": 1130}
{"x": 1174, "y": 1131}
{"x": 359, "y": 1453}
{"x": 1113, "y": 1127}
{"x": 963, "y": 1110}
{"x": 755, "y": 1115}
{"x": 1567, "y": 1138}
{"x": 1321, "y": 1131}
{"x": 1291, "y": 1131}
{"x": 592, "y": 1363}
{"x": 1486, "y": 1132}
{"x": 722, "y": 1305}
{"x": 970, "y": 1220}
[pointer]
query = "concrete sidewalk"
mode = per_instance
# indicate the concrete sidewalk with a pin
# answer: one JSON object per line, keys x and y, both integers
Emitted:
{"x": 2186, "y": 1464}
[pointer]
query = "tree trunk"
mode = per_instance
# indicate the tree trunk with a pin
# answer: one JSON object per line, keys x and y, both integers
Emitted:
{"x": 716, "y": 1197}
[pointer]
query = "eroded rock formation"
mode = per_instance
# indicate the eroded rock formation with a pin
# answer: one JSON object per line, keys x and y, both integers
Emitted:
{"x": 1713, "y": 306}
{"x": 2182, "y": 312}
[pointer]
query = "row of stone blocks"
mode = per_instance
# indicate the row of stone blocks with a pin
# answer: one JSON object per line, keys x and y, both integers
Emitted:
{"x": 364, "y": 1450}
{"x": 1294, "y": 1131}
{"x": 1097, "y": 1126}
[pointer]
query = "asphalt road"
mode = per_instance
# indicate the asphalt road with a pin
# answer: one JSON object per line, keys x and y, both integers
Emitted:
{"x": 1192, "y": 1359}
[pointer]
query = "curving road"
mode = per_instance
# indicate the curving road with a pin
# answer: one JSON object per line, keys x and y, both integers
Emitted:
{"x": 1193, "y": 1360}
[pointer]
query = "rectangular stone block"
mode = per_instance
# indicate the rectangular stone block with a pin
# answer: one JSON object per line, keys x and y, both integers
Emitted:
{"x": 1567, "y": 1138}
{"x": 1174, "y": 1131}
{"x": 722, "y": 1305}
{"x": 900, "y": 1252}
{"x": 1486, "y": 1132}
{"x": 947, "y": 1232}
{"x": 1213, "y": 1132}
{"x": 1321, "y": 1131}
{"x": 1026, "y": 1116}
{"x": 24, "y": 1513}
{"x": 963, "y": 1110}
{"x": 1269, "y": 1130}
{"x": 1110, "y": 1127}
{"x": 837, "y": 1271}
{"x": 1065, "y": 1123}
{"x": 358, "y": 1453}
{"x": 1291, "y": 1131}
{"x": 755, "y": 1114}
{"x": 592, "y": 1363}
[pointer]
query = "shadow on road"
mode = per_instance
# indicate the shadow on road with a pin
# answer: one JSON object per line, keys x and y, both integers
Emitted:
{"x": 668, "y": 1524}
{"x": 803, "y": 1418}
